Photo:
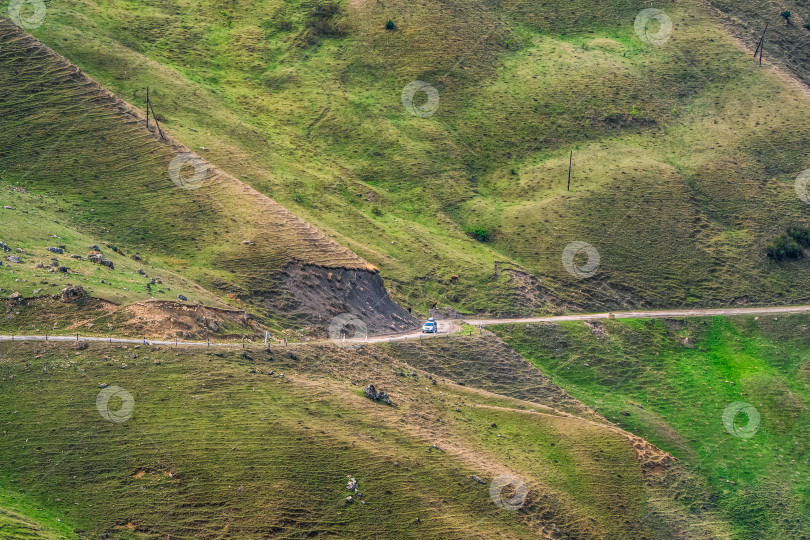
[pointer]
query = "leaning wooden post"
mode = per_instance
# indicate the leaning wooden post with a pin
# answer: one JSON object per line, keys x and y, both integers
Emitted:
{"x": 147, "y": 104}
{"x": 156, "y": 122}
{"x": 570, "y": 160}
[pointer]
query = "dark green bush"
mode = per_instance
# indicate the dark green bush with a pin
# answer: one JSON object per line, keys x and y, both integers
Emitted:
{"x": 784, "y": 247}
{"x": 789, "y": 244}
{"x": 800, "y": 234}
{"x": 479, "y": 232}
{"x": 390, "y": 25}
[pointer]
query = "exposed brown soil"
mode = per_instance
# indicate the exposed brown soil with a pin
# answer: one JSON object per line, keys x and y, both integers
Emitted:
{"x": 320, "y": 294}
{"x": 169, "y": 320}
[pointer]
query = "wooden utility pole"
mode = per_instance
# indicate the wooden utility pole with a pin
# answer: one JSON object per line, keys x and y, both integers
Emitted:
{"x": 156, "y": 122}
{"x": 149, "y": 107}
{"x": 570, "y": 160}
{"x": 761, "y": 44}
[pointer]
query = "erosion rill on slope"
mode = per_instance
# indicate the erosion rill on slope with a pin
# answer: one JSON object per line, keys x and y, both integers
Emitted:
{"x": 148, "y": 193}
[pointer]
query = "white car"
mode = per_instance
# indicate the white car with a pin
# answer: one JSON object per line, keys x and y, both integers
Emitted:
{"x": 431, "y": 326}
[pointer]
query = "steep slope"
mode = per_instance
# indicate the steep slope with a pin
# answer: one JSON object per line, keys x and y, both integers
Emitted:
{"x": 253, "y": 444}
{"x": 66, "y": 137}
{"x": 685, "y": 151}
{"x": 729, "y": 397}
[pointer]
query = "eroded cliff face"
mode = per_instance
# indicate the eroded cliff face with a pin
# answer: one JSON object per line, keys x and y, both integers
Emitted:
{"x": 318, "y": 295}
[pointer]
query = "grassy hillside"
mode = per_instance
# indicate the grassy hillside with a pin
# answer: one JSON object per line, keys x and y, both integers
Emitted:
{"x": 79, "y": 167}
{"x": 670, "y": 381}
{"x": 251, "y": 445}
{"x": 685, "y": 153}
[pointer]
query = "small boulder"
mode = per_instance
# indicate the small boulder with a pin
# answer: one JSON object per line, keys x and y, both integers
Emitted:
{"x": 373, "y": 394}
{"x": 14, "y": 259}
{"x": 16, "y": 298}
{"x": 56, "y": 250}
{"x": 72, "y": 293}
{"x": 181, "y": 297}
{"x": 80, "y": 345}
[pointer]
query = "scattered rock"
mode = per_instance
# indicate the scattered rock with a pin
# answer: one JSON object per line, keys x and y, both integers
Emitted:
{"x": 98, "y": 258}
{"x": 352, "y": 484}
{"x": 371, "y": 393}
{"x": 103, "y": 385}
{"x": 4, "y": 246}
{"x": 14, "y": 259}
{"x": 16, "y": 297}
{"x": 80, "y": 345}
{"x": 62, "y": 269}
{"x": 140, "y": 271}
{"x": 72, "y": 293}
{"x": 56, "y": 250}
{"x": 94, "y": 247}
{"x": 478, "y": 479}
{"x": 181, "y": 297}
{"x": 349, "y": 499}
{"x": 625, "y": 413}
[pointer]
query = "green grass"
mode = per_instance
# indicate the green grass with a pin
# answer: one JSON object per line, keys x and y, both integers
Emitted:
{"x": 218, "y": 446}
{"x": 684, "y": 154}
{"x": 20, "y": 519}
{"x": 33, "y": 226}
{"x": 670, "y": 381}
{"x": 94, "y": 175}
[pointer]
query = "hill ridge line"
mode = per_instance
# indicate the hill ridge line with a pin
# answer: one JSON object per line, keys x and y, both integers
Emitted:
{"x": 112, "y": 100}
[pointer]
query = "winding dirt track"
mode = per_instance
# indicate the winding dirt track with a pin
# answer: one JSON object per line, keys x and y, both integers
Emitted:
{"x": 448, "y": 327}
